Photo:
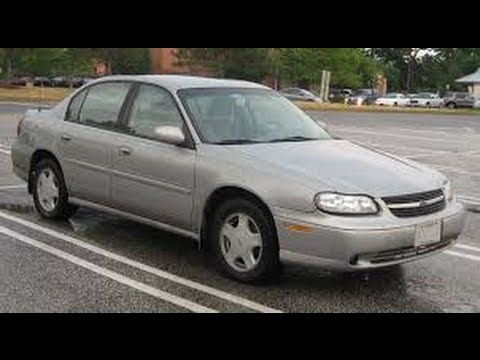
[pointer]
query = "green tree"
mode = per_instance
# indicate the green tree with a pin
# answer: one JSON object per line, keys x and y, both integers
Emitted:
{"x": 350, "y": 67}
{"x": 401, "y": 66}
{"x": 131, "y": 61}
{"x": 123, "y": 60}
{"x": 443, "y": 66}
{"x": 38, "y": 61}
{"x": 45, "y": 61}
{"x": 73, "y": 62}
{"x": 10, "y": 57}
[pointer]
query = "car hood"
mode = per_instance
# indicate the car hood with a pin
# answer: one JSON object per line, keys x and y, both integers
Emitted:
{"x": 342, "y": 166}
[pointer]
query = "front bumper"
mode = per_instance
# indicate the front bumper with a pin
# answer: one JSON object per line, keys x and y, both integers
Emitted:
{"x": 355, "y": 243}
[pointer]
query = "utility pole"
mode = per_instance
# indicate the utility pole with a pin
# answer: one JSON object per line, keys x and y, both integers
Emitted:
{"x": 322, "y": 85}
{"x": 374, "y": 80}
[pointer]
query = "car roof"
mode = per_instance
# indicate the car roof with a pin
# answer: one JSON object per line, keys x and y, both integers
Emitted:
{"x": 178, "y": 82}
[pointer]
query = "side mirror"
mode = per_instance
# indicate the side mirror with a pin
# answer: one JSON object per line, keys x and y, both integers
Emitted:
{"x": 170, "y": 134}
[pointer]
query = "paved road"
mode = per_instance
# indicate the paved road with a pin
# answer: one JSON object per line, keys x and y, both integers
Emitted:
{"x": 101, "y": 263}
{"x": 7, "y": 107}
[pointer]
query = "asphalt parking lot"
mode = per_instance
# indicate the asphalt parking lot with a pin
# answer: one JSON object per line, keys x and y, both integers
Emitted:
{"x": 101, "y": 263}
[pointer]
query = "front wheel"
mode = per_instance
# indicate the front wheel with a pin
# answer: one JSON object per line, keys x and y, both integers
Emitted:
{"x": 244, "y": 242}
{"x": 49, "y": 191}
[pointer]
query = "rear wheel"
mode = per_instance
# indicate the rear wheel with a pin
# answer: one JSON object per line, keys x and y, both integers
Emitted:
{"x": 244, "y": 242}
{"x": 451, "y": 106}
{"x": 49, "y": 191}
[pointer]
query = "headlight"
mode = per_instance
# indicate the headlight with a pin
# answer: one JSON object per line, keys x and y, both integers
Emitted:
{"x": 346, "y": 204}
{"x": 448, "y": 191}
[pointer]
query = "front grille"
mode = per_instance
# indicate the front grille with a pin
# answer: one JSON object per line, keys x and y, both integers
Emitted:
{"x": 419, "y": 204}
{"x": 398, "y": 254}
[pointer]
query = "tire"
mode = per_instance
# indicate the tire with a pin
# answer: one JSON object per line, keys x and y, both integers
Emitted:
{"x": 264, "y": 261}
{"x": 451, "y": 106}
{"x": 48, "y": 171}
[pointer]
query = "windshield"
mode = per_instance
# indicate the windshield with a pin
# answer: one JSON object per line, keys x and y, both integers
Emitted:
{"x": 242, "y": 116}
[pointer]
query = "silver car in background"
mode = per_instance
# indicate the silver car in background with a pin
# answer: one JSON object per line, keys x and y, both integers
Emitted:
{"x": 296, "y": 94}
{"x": 426, "y": 100}
{"x": 237, "y": 167}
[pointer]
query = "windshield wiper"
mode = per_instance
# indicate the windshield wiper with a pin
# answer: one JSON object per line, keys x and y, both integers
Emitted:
{"x": 293, "y": 139}
{"x": 236, "y": 142}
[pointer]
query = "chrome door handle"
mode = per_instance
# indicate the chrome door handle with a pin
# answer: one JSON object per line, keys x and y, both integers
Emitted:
{"x": 123, "y": 151}
{"x": 65, "y": 138}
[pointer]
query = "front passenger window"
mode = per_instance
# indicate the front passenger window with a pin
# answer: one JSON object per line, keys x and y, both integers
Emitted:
{"x": 153, "y": 107}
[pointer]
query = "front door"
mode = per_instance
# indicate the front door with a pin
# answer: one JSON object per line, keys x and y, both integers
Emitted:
{"x": 152, "y": 179}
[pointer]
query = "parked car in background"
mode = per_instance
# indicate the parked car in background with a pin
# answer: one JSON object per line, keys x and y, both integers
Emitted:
{"x": 87, "y": 80}
{"x": 77, "y": 82}
{"x": 60, "y": 81}
{"x": 21, "y": 81}
{"x": 393, "y": 99}
{"x": 427, "y": 100}
{"x": 297, "y": 94}
{"x": 456, "y": 100}
{"x": 339, "y": 95}
{"x": 476, "y": 104}
{"x": 363, "y": 97}
{"x": 237, "y": 167}
{"x": 42, "y": 81}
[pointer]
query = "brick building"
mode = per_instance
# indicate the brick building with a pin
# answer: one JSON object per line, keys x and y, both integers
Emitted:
{"x": 164, "y": 61}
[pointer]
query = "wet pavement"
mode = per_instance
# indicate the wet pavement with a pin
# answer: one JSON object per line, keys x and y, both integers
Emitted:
{"x": 101, "y": 263}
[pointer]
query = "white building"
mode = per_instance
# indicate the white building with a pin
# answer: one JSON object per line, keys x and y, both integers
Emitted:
{"x": 473, "y": 82}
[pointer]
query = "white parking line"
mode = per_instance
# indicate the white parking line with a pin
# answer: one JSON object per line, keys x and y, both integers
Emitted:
{"x": 420, "y": 156}
{"x": 467, "y": 247}
{"x": 13, "y": 187}
{"x": 454, "y": 169}
{"x": 469, "y": 198}
{"x": 395, "y": 130}
{"x": 19, "y": 103}
{"x": 160, "y": 273}
{"x": 413, "y": 137}
{"x": 165, "y": 296}
{"x": 6, "y": 152}
{"x": 464, "y": 256}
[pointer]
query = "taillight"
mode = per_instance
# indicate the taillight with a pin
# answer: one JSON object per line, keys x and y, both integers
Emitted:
{"x": 19, "y": 126}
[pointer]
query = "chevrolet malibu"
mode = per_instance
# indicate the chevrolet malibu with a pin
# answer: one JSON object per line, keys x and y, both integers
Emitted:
{"x": 237, "y": 167}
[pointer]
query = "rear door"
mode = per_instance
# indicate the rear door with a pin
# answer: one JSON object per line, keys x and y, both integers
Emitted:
{"x": 88, "y": 138}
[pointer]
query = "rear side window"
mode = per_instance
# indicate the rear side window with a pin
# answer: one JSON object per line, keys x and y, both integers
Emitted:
{"x": 103, "y": 104}
{"x": 75, "y": 106}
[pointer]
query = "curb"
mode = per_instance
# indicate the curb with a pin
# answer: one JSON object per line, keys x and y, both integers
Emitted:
{"x": 30, "y": 104}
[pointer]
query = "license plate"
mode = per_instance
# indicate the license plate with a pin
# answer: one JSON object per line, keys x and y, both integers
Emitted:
{"x": 427, "y": 234}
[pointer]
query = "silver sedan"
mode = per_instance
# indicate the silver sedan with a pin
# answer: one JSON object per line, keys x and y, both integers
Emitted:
{"x": 237, "y": 167}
